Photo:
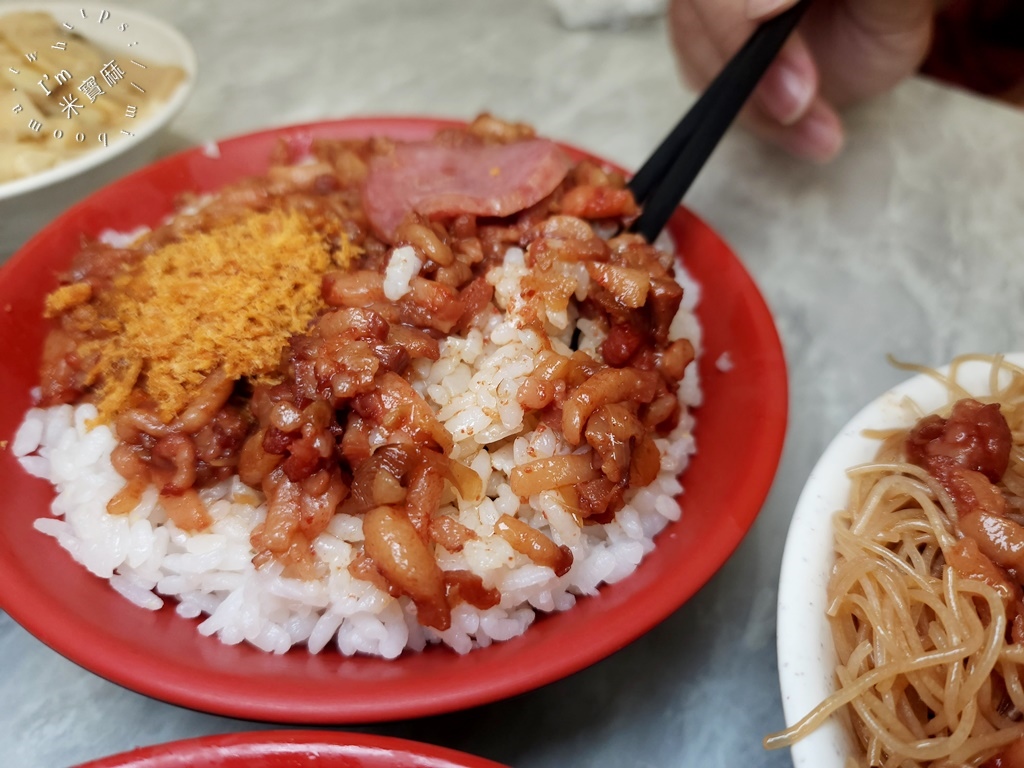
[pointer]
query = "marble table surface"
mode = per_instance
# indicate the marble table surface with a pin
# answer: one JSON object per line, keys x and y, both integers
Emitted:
{"x": 910, "y": 244}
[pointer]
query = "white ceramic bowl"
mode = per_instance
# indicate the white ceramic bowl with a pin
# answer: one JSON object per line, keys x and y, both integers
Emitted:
{"x": 28, "y": 203}
{"x": 805, "y": 652}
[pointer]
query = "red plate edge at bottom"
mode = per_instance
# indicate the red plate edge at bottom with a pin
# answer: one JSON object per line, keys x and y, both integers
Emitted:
{"x": 287, "y": 749}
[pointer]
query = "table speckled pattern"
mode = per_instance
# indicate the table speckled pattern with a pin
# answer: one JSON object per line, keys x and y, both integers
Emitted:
{"x": 911, "y": 244}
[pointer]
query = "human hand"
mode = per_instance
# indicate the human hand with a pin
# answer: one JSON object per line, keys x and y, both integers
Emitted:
{"x": 843, "y": 51}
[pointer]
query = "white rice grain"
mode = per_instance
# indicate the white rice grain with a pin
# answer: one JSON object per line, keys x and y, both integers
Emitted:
{"x": 139, "y": 595}
{"x": 403, "y": 265}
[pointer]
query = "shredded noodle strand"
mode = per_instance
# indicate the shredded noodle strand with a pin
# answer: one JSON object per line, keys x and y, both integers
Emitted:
{"x": 928, "y": 672}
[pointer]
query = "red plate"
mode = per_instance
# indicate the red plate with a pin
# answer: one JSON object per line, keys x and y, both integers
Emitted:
{"x": 286, "y": 749}
{"x": 739, "y": 433}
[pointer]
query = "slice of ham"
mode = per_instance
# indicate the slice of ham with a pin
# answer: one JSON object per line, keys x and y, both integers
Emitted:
{"x": 434, "y": 180}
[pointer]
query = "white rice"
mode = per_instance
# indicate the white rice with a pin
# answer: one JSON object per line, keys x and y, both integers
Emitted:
{"x": 472, "y": 387}
{"x": 403, "y": 265}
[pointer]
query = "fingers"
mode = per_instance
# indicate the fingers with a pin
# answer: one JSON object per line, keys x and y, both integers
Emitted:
{"x": 786, "y": 107}
{"x": 817, "y": 135}
{"x": 715, "y": 30}
{"x": 763, "y": 9}
{"x": 698, "y": 57}
{"x": 789, "y": 86}
{"x": 884, "y": 17}
{"x": 864, "y": 47}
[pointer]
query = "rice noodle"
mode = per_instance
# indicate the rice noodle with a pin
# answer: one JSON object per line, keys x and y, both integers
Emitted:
{"x": 928, "y": 668}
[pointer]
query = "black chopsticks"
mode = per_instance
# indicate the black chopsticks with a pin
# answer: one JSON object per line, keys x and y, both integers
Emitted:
{"x": 663, "y": 180}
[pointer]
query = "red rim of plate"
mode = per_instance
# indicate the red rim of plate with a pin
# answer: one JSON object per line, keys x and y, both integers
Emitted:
{"x": 740, "y": 431}
{"x": 284, "y": 749}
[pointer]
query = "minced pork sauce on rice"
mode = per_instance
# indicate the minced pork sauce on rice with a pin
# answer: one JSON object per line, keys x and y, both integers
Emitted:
{"x": 542, "y": 303}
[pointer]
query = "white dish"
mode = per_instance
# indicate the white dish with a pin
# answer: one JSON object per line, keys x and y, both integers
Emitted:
{"x": 28, "y": 203}
{"x": 806, "y": 654}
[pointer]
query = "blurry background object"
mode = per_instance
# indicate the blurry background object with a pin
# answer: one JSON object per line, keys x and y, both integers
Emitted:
{"x": 86, "y": 93}
{"x": 979, "y": 45}
{"x": 592, "y": 14}
{"x": 34, "y": 44}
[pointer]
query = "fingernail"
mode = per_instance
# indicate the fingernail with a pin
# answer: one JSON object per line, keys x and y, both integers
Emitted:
{"x": 757, "y": 9}
{"x": 785, "y": 93}
{"x": 820, "y": 135}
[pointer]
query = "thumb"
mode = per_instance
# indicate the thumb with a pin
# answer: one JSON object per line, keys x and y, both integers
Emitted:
{"x": 885, "y": 17}
{"x": 864, "y": 47}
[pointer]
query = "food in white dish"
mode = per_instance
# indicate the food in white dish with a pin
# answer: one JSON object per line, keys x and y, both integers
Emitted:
{"x": 924, "y": 600}
{"x": 62, "y": 95}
